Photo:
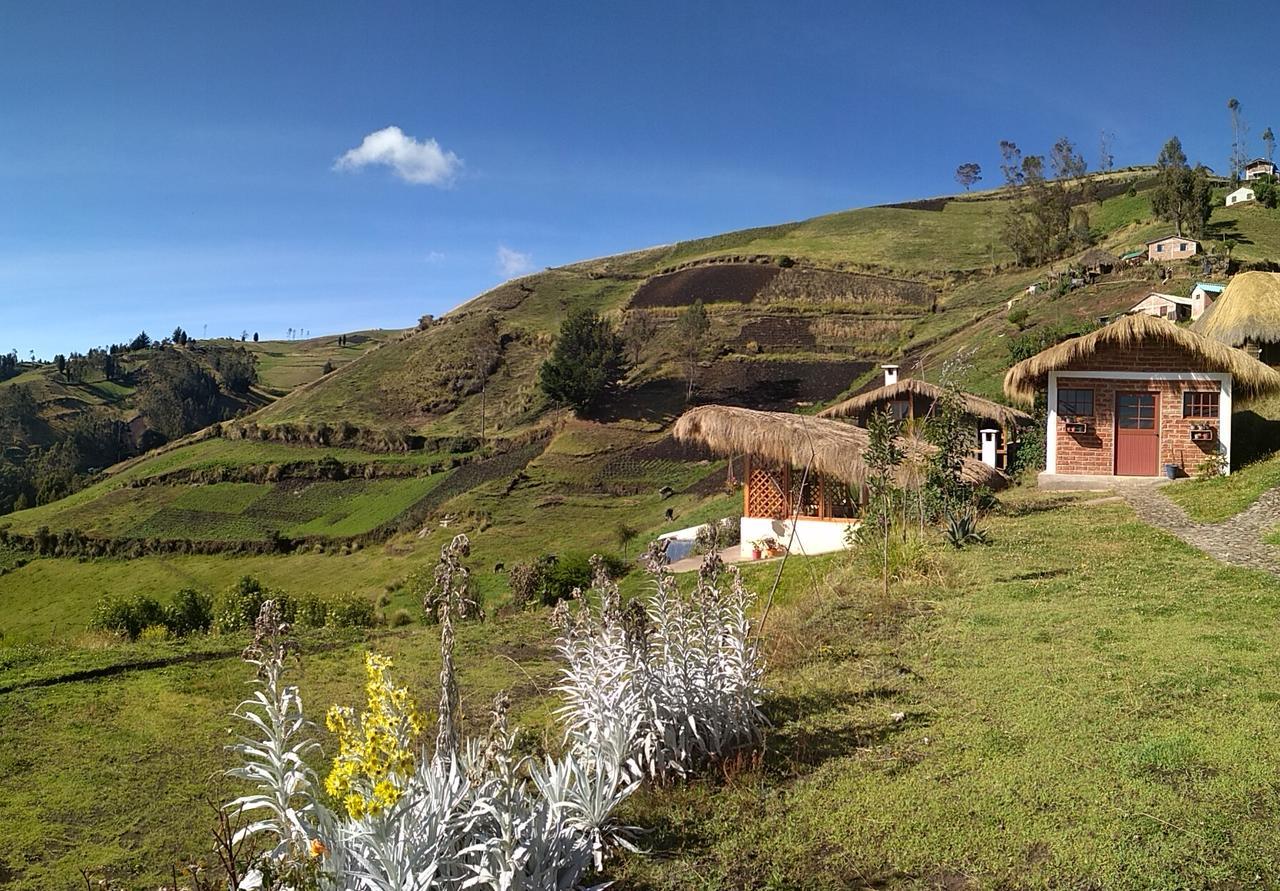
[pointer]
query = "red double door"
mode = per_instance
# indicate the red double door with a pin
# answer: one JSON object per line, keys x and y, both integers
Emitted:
{"x": 1137, "y": 434}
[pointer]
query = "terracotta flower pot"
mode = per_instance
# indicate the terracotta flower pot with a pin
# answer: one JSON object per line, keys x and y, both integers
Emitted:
{"x": 755, "y": 553}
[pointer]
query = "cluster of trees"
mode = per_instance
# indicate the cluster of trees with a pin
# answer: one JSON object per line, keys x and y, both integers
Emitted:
{"x": 39, "y": 475}
{"x": 177, "y": 395}
{"x": 591, "y": 358}
{"x": 1049, "y": 217}
{"x": 8, "y": 365}
{"x": 1183, "y": 195}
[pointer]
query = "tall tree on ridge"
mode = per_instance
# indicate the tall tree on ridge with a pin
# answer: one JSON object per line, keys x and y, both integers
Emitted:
{"x": 1011, "y": 163}
{"x": 968, "y": 173}
{"x": 1106, "y": 160}
{"x": 1269, "y": 140}
{"x": 1238, "y": 159}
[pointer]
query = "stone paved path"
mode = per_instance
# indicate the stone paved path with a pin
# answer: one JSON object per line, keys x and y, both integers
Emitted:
{"x": 1237, "y": 540}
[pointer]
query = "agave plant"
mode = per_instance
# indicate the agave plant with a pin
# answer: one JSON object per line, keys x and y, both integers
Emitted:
{"x": 470, "y": 814}
{"x": 681, "y": 674}
{"x": 962, "y": 529}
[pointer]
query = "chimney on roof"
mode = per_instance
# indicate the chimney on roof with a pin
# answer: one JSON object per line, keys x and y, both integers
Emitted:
{"x": 890, "y": 374}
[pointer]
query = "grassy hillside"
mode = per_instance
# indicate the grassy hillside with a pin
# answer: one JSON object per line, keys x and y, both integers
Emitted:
{"x": 1138, "y": 766}
{"x": 286, "y": 364}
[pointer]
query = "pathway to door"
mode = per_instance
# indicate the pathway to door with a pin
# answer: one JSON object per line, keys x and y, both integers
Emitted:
{"x": 1236, "y": 541}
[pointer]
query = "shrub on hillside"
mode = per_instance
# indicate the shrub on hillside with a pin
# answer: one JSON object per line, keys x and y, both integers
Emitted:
{"x": 312, "y": 611}
{"x": 127, "y": 616}
{"x": 573, "y": 571}
{"x": 241, "y": 604}
{"x": 350, "y": 611}
{"x": 1018, "y": 316}
{"x": 1024, "y": 346}
{"x": 191, "y": 612}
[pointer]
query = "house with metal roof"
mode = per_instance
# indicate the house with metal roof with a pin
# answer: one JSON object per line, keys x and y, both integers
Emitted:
{"x": 1202, "y": 297}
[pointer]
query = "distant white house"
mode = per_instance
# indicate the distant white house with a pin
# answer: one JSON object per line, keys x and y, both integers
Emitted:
{"x": 1259, "y": 167}
{"x": 1240, "y": 195}
{"x": 1172, "y": 247}
{"x": 1164, "y": 306}
{"x": 1202, "y": 297}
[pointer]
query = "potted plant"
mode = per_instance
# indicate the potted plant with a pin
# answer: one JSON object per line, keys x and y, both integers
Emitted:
{"x": 757, "y": 549}
{"x": 772, "y": 548}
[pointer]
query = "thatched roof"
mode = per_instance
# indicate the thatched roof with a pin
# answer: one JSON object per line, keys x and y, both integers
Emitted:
{"x": 1250, "y": 377}
{"x": 835, "y": 448}
{"x": 1097, "y": 257}
{"x": 974, "y": 405}
{"x": 1248, "y": 310}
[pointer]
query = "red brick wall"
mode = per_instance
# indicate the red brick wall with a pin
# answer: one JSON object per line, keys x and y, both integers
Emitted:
{"x": 1094, "y": 452}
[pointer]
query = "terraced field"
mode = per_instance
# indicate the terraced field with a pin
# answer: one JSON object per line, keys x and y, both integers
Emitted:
{"x": 237, "y": 511}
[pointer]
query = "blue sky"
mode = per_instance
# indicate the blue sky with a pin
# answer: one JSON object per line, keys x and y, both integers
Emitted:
{"x": 178, "y": 163}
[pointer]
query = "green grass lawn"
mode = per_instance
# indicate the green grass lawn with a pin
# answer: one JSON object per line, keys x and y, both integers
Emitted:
{"x": 1071, "y": 717}
{"x": 1211, "y": 501}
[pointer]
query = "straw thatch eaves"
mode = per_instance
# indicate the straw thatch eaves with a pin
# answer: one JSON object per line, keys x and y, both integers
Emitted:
{"x": 1250, "y": 377}
{"x": 973, "y": 405}
{"x": 1247, "y": 311}
{"x": 831, "y": 448}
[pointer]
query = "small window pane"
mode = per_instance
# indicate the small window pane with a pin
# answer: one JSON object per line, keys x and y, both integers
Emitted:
{"x": 1075, "y": 403}
{"x": 1203, "y": 404}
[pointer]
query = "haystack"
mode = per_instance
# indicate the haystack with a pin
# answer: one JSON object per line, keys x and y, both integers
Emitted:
{"x": 831, "y": 448}
{"x": 983, "y": 409}
{"x": 1248, "y": 311}
{"x": 1250, "y": 377}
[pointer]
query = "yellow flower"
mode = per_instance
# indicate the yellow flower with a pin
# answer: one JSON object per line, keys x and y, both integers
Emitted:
{"x": 318, "y": 848}
{"x": 377, "y": 750}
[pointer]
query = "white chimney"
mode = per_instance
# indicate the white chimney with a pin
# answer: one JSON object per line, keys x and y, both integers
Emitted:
{"x": 988, "y": 446}
{"x": 890, "y": 374}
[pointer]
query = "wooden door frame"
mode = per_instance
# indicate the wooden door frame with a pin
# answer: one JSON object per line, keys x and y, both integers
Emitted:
{"x": 1115, "y": 426}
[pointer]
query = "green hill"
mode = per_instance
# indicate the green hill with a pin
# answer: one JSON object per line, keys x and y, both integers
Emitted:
{"x": 352, "y": 480}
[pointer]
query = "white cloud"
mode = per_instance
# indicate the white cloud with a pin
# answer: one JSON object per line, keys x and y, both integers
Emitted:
{"x": 433, "y": 257}
{"x": 513, "y": 263}
{"x": 421, "y": 163}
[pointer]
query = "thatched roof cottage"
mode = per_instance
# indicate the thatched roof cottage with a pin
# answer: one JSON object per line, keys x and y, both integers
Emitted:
{"x": 802, "y": 476}
{"x": 1139, "y": 397}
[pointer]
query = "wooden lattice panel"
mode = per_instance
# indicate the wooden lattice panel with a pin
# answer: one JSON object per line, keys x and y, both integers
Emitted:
{"x": 766, "y": 497}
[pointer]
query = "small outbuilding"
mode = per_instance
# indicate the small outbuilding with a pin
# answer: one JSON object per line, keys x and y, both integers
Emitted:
{"x": 1240, "y": 196}
{"x": 995, "y": 426}
{"x": 1172, "y": 247}
{"x": 1138, "y": 397}
{"x": 1164, "y": 306}
{"x": 802, "y": 476}
{"x": 1247, "y": 315}
{"x": 1096, "y": 261}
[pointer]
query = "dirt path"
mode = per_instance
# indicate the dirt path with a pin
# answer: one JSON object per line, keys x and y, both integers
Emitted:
{"x": 1236, "y": 541}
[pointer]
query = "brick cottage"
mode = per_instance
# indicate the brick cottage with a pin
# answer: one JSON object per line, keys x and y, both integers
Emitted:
{"x": 1136, "y": 397}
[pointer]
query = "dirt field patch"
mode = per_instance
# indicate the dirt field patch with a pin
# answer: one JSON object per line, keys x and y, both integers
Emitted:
{"x": 730, "y": 283}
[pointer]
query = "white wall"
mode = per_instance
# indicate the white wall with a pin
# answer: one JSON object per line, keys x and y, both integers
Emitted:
{"x": 812, "y": 536}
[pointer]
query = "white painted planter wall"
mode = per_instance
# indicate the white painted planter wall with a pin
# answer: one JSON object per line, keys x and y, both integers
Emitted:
{"x": 812, "y": 536}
